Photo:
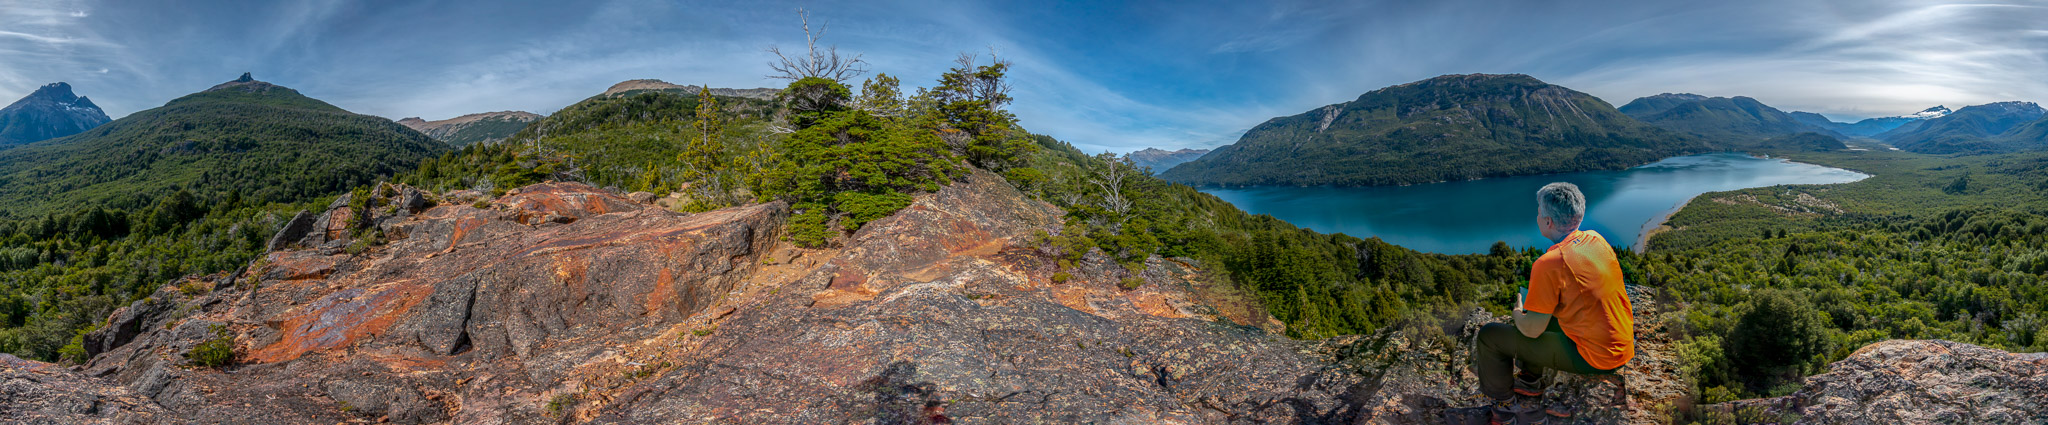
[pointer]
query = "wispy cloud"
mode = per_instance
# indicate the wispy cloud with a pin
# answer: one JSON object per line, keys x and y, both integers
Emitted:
{"x": 45, "y": 38}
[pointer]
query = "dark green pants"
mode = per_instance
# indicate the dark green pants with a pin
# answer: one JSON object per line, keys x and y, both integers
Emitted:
{"x": 1501, "y": 347}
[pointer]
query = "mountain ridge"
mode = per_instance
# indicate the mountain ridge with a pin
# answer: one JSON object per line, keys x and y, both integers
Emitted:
{"x": 1983, "y": 128}
{"x": 632, "y": 86}
{"x": 1452, "y": 127}
{"x": 482, "y": 127}
{"x": 1736, "y": 122}
{"x": 1160, "y": 160}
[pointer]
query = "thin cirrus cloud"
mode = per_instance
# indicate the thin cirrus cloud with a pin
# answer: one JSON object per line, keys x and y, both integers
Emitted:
{"x": 1106, "y": 77}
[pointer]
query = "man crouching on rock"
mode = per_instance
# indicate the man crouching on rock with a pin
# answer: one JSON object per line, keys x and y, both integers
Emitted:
{"x": 1574, "y": 316}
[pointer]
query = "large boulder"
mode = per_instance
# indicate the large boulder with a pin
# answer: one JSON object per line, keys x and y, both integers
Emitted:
{"x": 1916, "y": 382}
{"x": 294, "y": 230}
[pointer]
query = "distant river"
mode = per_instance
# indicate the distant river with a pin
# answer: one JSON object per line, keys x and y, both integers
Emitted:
{"x": 1469, "y": 216}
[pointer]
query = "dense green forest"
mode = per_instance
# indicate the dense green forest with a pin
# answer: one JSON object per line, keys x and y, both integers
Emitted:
{"x": 1779, "y": 281}
{"x": 62, "y": 274}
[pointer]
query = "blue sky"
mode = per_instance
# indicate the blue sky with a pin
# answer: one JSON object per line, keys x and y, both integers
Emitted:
{"x": 1104, "y": 76}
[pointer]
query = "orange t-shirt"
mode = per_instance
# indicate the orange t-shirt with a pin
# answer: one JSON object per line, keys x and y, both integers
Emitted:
{"x": 1578, "y": 281}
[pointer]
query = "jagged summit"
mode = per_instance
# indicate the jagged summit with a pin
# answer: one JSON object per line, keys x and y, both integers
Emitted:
{"x": 51, "y": 111}
{"x": 1935, "y": 112}
{"x": 248, "y": 83}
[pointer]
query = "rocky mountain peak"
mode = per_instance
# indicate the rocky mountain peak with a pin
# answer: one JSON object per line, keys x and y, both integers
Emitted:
{"x": 59, "y": 92}
{"x": 51, "y": 111}
{"x": 1935, "y": 112}
{"x": 245, "y": 78}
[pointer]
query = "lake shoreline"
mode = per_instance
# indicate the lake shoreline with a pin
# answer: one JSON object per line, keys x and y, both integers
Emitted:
{"x": 1642, "y": 243}
{"x": 1630, "y": 206}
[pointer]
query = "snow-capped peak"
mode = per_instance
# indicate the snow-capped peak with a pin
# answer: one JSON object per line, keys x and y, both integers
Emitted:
{"x": 1930, "y": 113}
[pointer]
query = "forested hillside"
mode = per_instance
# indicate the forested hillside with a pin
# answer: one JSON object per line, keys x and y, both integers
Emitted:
{"x": 1453, "y": 127}
{"x": 1731, "y": 123}
{"x": 256, "y": 141}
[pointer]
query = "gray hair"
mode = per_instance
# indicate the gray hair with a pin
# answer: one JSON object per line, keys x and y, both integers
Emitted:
{"x": 1562, "y": 202}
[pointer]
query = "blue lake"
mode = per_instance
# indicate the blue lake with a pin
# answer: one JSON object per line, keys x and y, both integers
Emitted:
{"x": 1469, "y": 216}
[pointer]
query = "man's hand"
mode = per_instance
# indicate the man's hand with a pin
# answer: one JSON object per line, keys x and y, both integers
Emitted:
{"x": 1531, "y": 323}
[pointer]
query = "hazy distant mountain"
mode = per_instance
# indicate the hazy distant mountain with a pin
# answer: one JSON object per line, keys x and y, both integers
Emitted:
{"x": 1816, "y": 120}
{"x": 1735, "y": 122}
{"x": 1986, "y": 128}
{"x": 262, "y": 141}
{"x": 2029, "y": 136}
{"x": 473, "y": 128}
{"x": 1869, "y": 127}
{"x": 632, "y": 86}
{"x": 1161, "y": 160}
{"x": 1453, "y": 127}
{"x": 50, "y": 112}
{"x": 1652, "y": 105}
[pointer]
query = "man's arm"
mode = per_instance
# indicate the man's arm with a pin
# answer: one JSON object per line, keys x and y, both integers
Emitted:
{"x": 1531, "y": 323}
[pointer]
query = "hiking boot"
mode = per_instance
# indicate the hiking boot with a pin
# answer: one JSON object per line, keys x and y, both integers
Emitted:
{"x": 1529, "y": 387}
{"x": 1560, "y": 410}
{"x": 1507, "y": 412}
{"x": 1502, "y": 415}
{"x": 1482, "y": 415}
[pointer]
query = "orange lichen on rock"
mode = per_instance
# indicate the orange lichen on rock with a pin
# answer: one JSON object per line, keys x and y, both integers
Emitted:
{"x": 342, "y": 318}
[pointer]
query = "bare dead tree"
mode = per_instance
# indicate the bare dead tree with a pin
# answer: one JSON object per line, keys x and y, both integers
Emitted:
{"x": 1116, "y": 169}
{"x": 985, "y": 84}
{"x": 813, "y": 62}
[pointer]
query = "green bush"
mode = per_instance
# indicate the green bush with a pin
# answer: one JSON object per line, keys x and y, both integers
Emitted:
{"x": 862, "y": 208}
{"x": 849, "y": 162}
{"x": 216, "y": 352}
{"x": 1778, "y": 335}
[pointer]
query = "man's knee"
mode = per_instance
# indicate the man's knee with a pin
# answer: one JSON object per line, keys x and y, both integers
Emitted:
{"x": 1498, "y": 334}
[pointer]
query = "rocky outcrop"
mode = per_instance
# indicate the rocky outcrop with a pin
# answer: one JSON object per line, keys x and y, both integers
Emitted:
{"x": 562, "y": 302}
{"x": 50, "y": 112}
{"x": 1914, "y": 381}
{"x": 40, "y": 393}
{"x": 631, "y": 86}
